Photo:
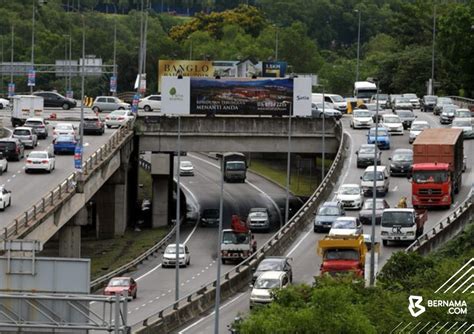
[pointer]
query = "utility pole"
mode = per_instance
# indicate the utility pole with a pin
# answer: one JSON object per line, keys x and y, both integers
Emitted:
{"x": 11, "y": 60}
{"x": 433, "y": 52}
{"x": 33, "y": 44}
{"x": 1, "y": 82}
{"x": 374, "y": 194}
{"x": 115, "y": 56}
{"x": 140, "y": 53}
{"x": 358, "y": 46}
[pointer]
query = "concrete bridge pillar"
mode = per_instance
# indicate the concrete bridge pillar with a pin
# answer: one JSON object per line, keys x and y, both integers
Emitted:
{"x": 162, "y": 178}
{"x": 70, "y": 235}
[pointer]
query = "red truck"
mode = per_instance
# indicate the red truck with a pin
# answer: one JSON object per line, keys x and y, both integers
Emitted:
{"x": 437, "y": 167}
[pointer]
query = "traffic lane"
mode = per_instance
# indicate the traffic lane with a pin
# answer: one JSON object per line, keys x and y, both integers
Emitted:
{"x": 27, "y": 189}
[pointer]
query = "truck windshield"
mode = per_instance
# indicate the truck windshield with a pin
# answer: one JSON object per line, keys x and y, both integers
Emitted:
{"x": 369, "y": 176}
{"x": 430, "y": 176}
{"x": 234, "y": 238}
{"x": 235, "y": 165}
{"x": 403, "y": 218}
{"x": 365, "y": 93}
{"x": 341, "y": 254}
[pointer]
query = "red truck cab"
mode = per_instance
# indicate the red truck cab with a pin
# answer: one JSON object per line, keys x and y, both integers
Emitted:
{"x": 431, "y": 185}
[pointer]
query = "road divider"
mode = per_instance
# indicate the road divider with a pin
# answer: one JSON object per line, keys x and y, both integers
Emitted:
{"x": 202, "y": 300}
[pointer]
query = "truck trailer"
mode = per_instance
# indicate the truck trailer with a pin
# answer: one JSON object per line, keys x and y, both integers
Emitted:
{"x": 24, "y": 107}
{"x": 235, "y": 167}
{"x": 437, "y": 167}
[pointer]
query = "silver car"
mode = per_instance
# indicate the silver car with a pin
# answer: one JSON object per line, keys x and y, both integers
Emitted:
{"x": 26, "y": 135}
{"x": 108, "y": 103}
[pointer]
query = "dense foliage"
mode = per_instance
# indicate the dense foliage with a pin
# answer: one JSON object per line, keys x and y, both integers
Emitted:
{"x": 313, "y": 36}
{"x": 342, "y": 306}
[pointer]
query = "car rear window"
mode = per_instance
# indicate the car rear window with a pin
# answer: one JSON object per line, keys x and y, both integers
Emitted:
{"x": 65, "y": 139}
{"x": 21, "y": 132}
{"x": 10, "y": 145}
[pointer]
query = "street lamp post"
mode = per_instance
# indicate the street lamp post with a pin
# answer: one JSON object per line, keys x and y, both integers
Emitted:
{"x": 11, "y": 57}
{"x": 323, "y": 156}
{"x": 219, "y": 255}
{"x": 431, "y": 86}
{"x": 69, "y": 63}
{"x": 288, "y": 167}
{"x": 358, "y": 45}
{"x": 374, "y": 194}
{"x": 33, "y": 43}
{"x": 115, "y": 56}
{"x": 276, "y": 44}
{"x": 66, "y": 79}
{"x": 178, "y": 208}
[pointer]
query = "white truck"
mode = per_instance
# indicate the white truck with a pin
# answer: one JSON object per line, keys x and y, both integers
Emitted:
{"x": 364, "y": 90}
{"x": 237, "y": 246}
{"x": 402, "y": 224}
{"x": 26, "y": 106}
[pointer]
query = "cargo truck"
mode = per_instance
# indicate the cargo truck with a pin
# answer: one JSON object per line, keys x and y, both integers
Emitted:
{"x": 24, "y": 107}
{"x": 237, "y": 246}
{"x": 437, "y": 167}
{"x": 402, "y": 224}
{"x": 235, "y": 166}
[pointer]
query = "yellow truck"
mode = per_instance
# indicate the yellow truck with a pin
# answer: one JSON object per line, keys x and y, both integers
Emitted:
{"x": 343, "y": 254}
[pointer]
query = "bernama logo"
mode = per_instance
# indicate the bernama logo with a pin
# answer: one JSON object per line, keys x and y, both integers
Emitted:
{"x": 453, "y": 306}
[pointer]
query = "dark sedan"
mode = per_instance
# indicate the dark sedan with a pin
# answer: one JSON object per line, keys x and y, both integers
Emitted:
{"x": 274, "y": 263}
{"x": 428, "y": 103}
{"x": 365, "y": 215}
{"x": 93, "y": 125}
{"x": 365, "y": 155}
{"x": 53, "y": 99}
{"x": 401, "y": 162}
{"x": 407, "y": 117}
{"x": 210, "y": 217}
{"x": 448, "y": 114}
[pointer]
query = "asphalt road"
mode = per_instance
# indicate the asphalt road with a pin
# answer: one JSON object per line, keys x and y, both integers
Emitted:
{"x": 305, "y": 261}
{"x": 28, "y": 189}
{"x": 156, "y": 285}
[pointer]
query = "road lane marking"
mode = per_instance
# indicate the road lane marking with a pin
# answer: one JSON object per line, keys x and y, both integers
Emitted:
{"x": 212, "y": 313}
{"x": 299, "y": 242}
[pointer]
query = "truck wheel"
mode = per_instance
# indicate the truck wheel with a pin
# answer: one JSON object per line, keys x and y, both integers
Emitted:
{"x": 385, "y": 242}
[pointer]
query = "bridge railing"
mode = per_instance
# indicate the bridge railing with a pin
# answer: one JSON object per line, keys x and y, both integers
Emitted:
{"x": 202, "y": 299}
{"x": 464, "y": 102}
{"x": 66, "y": 189}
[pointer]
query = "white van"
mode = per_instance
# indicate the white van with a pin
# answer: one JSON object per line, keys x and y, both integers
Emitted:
{"x": 338, "y": 102}
{"x": 382, "y": 181}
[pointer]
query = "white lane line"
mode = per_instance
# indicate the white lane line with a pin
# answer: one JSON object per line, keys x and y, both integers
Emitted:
{"x": 395, "y": 188}
{"x": 299, "y": 242}
{"x": 220, "y": 308}
{"x": 249, "y": 183}
{"x": 350, "y": 161}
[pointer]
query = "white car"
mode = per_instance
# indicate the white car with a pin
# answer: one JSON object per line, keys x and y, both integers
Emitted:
{"x": 361, "y": 118}
{"x": 350, "y": 196}
{"x": 4, "y": 103}
{"x": 118, "y": 118}
{"x": 346, "y": 226}
{"x": 26, "y": 135}
{"x": 40, "y": 160}
{"x": 262, "y": 288}
{"x": 463, "y": 113}
{"x": 393, "y": 124}
{"x": 67, "y": 129}
{"x": 416, "y": 128}
{"x": 5, "y": 198}
{"x": 169, "y": 256}
{"x": 186, "y": 168}
{"x": 465, "y": 124}
{"x": 150, "y": 103}
{"x": 3, "y": 164}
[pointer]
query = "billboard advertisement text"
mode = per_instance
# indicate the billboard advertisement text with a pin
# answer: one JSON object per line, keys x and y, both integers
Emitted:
{"x": 274, "y": 69}
{"x": 187, "y": 68}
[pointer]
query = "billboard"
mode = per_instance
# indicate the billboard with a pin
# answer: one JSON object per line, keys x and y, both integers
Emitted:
{"x": 175, "y": 95}
{"x": 274, "y": 69}
{"x": 244, "y": 96}
{"x": 187, "y": 68}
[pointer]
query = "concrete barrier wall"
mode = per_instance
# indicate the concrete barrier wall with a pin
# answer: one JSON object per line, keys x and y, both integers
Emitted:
{"x": 191, "y": 306}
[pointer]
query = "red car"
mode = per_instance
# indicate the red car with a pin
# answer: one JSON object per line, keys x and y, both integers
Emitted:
{"x": 119, "y": 284}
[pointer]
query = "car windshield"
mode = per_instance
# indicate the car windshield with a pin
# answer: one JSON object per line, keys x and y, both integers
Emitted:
{"x": 419, "y": 126}
{"x": 235, "y": 165}
{"x": 402, "y": 100}
{"x": 64, "y": 127}
{"x": 430, "y": 98}
{"x": 405, "y": 114}
{"x": 349, "y": 190}
{"x": 186, "y": 164}
{"x": 337, "y": 98}
{"x": 267, "y": 284}
{"x": 362, "y": 113}
{"x": 462, "y": 123}
{"x": 410, "y": 96}
{"x": 381, "y": 97}
{"x": 38, "y": 155}
{"x": 344, "y": 224}
{"x": 463, "y": 113}
{"x": 408, "y": 156}
{"x": 329, "y": 211}
{"x": 210, "y": 213}
{"x": 21, "y": 132}
{"x": 319, "y": 105}
{"x": 380, "y": 133}
{"x": 370, "y": 204}
{"x": 270, "y": 265}
{"x": 369, "y": 176}
{"x": 172, "y": 250}
{"x": 367, "y": 149}
{"x": 341, "y": 254}
{"x": 117, "y": 113}
{"x": 391, "y": 120}
{"x": 430, "y": 176}
{"x": 234, "y": 238}
{"x": 119, "y": 282}
{"x": 33, "y": 123}
{"x": 391, "y": 218}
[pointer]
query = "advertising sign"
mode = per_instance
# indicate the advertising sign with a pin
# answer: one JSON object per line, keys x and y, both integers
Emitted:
{"x": 113, "y": 84}
{"x": 78, "y": 158}
{"x": 302, "y": 96}
{"x": 11, "y": 89}
{"x": 70, "y": 94}
{"x": 274, "y": 69}
{"x": 187, "y": 68}
{"x": 175, "y": 95}
{"x": 241, "y": 96}
{"x": 31, "y": 78}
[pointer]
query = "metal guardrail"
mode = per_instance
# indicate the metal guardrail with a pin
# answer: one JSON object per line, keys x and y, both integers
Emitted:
{"x": 67, "y": 188}
{"x": 201, "y": 299}
{"x": 465, "y": 212}
{"x": 464, "y": 102}
{"x": 97, "y": 283}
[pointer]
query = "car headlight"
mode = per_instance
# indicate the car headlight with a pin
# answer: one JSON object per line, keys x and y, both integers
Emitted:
{"x": 410, "y": 233}
{"x": 317, "y": 222}
{"x": 380, "y": 188}
{"x": 400, "y": 127}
